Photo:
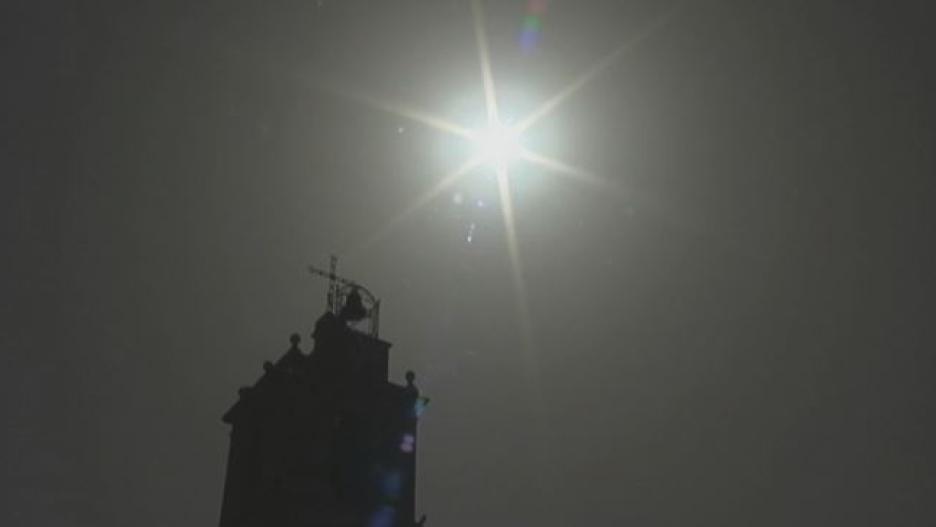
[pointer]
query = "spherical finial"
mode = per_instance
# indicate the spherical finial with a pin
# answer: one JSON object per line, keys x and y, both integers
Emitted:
{"x": 295, "y": 339}
{"x": 410, "y": 378}
{"x": 267, "y": 366}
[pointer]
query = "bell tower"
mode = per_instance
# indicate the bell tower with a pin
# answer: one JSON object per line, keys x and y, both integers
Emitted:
{"x": 324, "y": 438}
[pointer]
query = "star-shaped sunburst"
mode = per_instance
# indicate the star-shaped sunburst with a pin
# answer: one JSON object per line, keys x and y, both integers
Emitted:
{"x": 498, "y": 144}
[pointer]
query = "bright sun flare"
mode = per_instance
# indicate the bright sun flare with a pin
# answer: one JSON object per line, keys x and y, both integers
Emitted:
{"x": 498, "y": 145}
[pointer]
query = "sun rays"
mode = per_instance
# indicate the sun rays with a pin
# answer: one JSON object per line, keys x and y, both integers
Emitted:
{"x": 484, "y": 58}
{"x": 399, "y": 109}
{"x": 498, "y": 144}
{"x": 590, "y": 74}
{"x": 425, "y": 198}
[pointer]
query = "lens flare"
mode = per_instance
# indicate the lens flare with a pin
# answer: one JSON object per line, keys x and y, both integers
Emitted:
{"x": 391, "y": 485}
{"x": 532, "y": 26}
{"x": 383, "y": 517}
{"x": 419, "y": 407}
{"x": 408, "y": 443}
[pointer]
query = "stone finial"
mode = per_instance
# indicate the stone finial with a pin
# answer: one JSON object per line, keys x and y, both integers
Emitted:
{"x": 410, "y": 379}
{"x": 267, "y": 366}
{"x": 295, "y": 339}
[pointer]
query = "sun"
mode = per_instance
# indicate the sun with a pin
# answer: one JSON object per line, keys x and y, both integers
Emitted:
{"x": 497, "y": 145}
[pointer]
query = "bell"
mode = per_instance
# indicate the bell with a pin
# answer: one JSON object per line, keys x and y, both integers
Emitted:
{"x": 353, "y": 308}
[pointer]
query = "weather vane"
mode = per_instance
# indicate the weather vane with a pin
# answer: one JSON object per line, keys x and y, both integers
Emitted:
{"x": 348, "y": 300}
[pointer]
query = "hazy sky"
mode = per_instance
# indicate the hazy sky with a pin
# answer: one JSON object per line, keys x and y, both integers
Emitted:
{"x": 734, "y": 328}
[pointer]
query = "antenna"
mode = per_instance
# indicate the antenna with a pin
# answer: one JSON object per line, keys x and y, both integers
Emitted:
{"x": 333, "y": 285}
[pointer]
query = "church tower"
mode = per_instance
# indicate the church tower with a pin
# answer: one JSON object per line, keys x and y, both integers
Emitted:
{"x": 324, "y": 438}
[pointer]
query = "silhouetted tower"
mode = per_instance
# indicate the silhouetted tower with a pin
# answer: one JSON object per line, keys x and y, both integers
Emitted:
{"x": 325, "y": 439}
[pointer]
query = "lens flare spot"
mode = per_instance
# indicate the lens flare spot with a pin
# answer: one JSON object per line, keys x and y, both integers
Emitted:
{"x": 408, "y": 443}
{"x": 391, "y": 485}
{"x": 383, "y": 517}
{"x": 536, "y": 6}
{"x": 532, "y": 26}
{"x": 532, "y": 23}
{"x": 419, "y": 407}
{"x": 529, "y": 40}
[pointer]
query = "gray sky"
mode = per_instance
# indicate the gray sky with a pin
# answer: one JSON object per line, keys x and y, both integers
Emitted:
{"x": 735, "y": 328}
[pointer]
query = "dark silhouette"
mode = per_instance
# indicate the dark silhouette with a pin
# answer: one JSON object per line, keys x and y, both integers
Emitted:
{"x": 325, "y": 439}
{"x": 353, "y": 309}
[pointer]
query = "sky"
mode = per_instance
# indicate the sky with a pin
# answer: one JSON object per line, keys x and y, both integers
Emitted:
{"x": 729, "y": 322}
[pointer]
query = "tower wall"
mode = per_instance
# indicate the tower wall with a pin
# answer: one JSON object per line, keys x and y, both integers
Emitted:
{"x": 323, "y": 439}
